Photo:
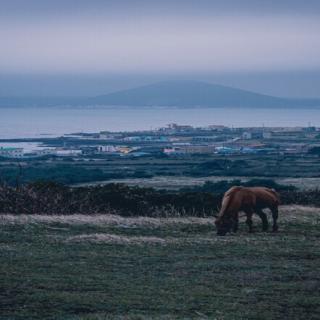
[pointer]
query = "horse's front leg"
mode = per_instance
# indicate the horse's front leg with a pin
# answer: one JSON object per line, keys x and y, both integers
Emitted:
{"x": 249, "y": 213}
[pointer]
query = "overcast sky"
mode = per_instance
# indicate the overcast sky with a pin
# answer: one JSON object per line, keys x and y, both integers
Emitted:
{"x": 144, "y": 40}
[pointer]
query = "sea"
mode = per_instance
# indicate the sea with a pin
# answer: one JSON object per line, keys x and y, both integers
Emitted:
{"x": 37, "y": 122}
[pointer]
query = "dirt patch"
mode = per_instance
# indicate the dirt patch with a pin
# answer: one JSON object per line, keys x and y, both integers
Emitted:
{"x": 299, "y": 213}
{"x": 117, "y": 239}
{"x": 106, "y": 219}
{"x": 135, "y": 240}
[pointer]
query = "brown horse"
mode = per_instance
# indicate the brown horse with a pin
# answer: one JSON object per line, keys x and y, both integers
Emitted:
{"x": 250, "y": 200}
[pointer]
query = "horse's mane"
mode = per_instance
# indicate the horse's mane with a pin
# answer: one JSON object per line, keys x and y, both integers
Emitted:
{"x": 227, "y": 200}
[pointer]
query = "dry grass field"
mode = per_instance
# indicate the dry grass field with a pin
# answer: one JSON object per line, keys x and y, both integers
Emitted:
{"x": 110, "y": 267}
{"x": 175, "y": 183}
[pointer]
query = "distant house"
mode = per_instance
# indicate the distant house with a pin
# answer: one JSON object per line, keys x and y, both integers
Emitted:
{"x": 110, "y": 136}
{"x": 172, "y": 151}
{"x": 191, "y": 149}
{"x": 116, "y": 149}
{"x": 178, "y": 127}
{"x": 11, "y": 152}
{"x": 133, "y": 138}
{"x": 126, "y": 150}
{"x": 107, "y": 149}
{"x": 218, "y": 128}
{"x": 179, "y": 139}
{"x": 248, "y": 135}
{"x": 266, "y": 134}
{"x": 226, "y": 150}
{"x": 174, "y": 128}
{"x": 68, "y": 152}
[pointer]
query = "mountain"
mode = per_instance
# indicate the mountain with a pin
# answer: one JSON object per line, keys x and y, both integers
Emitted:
{"x": 195, "y": 94}
{"x": 171, "y": 94}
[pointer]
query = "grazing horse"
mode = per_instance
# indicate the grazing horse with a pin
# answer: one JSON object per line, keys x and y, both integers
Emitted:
{"x": 250, "y": 200}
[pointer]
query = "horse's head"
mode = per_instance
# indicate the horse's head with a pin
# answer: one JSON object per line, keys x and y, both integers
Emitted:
{"x": 224, "y": 225}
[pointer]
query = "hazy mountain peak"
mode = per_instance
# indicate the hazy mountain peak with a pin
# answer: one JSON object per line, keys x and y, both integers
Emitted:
{"x": 173, "y": 93}
{"x": 189, "y": 93}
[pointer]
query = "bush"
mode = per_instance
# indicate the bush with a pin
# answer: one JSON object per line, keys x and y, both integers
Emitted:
{"x": 54, "y": 198}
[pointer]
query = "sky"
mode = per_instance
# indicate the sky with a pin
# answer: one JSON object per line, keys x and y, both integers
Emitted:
{"x": 80, "y": 47}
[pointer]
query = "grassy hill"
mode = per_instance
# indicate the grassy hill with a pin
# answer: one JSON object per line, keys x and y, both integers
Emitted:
{"x": 95, "y": 267}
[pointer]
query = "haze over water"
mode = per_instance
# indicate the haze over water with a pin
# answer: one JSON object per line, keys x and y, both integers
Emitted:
{"x": 44, "y": 122}
{"x": 80, "y": 48}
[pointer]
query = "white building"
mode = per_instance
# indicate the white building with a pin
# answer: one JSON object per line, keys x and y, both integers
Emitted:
{"x": 267, "y": 134}
{"x": 110, "y": 136}
{"x": 107, "y": 149}
{"x": 68, "y": 152}
{"x": 174, "y": 150}
{"x": 247, "y": 135}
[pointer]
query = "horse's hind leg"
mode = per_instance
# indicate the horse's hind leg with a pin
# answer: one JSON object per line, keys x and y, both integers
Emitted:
{"x": 264, "y": 219}
{"x": 236, "y": 223}
{"x": 275, "y": 214}
{"x": 249, "y": 222}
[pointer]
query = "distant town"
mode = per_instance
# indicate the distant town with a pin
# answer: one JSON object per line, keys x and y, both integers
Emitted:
{"x": 171, "y": 140}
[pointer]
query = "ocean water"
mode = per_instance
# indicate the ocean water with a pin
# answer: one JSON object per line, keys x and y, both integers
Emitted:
{"x": 56, "y": 121}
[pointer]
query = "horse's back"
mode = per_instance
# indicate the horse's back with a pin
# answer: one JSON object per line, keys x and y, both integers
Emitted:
{"x": 238, "y": 198}
{"x": 266, "y": 196}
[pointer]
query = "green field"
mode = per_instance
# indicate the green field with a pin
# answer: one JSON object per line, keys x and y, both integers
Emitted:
{"x": 108, "y": 267}
{"x": 164, "y": 172}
